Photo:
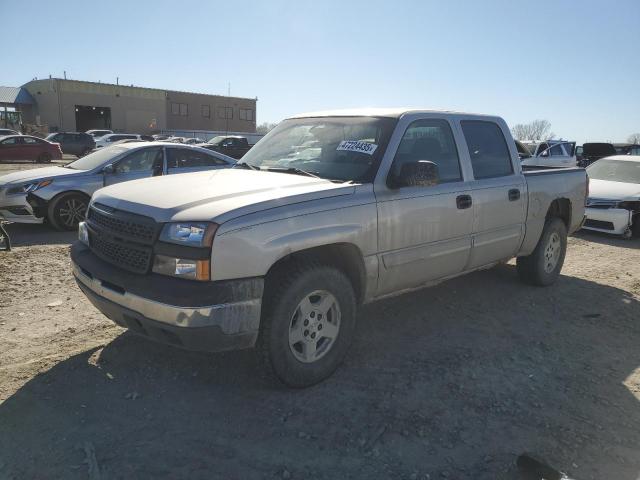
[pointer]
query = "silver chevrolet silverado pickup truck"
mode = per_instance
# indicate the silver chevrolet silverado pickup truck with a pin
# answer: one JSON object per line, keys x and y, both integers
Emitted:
{"x": 327, "y": 212}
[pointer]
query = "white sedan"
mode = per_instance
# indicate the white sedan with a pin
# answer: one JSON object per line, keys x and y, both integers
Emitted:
{"x": 613, "y": 205}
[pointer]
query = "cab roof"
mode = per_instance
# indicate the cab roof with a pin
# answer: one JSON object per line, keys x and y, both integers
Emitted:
{"x": 396, "y": 112}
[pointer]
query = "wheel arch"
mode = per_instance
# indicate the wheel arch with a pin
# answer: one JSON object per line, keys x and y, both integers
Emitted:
{"x": 345, "y": 257}
{"x": 560, "y": 208}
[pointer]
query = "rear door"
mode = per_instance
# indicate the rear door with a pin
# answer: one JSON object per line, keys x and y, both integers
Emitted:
{"x": 32, "y": 148}
{"x": 141, "y": 163}
{"x": 498, "y": 192}
{"x": 184, "y": 160}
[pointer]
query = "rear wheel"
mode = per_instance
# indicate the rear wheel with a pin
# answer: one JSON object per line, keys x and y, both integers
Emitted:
{"x": 307, "y": 325}
{"x": 44, "y": 158}
{"x": 66, "y": 211}
{"x": 543, "y": 266}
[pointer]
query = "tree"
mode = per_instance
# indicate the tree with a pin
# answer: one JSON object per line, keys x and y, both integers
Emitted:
{"x": 536, "y": 130}
{"x": 633, "y": 138}
{"x": 264, "y": 127}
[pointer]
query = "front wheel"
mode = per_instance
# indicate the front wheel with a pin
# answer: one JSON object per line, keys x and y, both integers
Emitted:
{"x": 66, "y": 211}
{"x": 543, "y": 266}
{"x": 307, "y": 324}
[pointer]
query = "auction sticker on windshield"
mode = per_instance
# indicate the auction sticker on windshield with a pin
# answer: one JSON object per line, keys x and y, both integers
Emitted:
{"x": 357, "y": 146}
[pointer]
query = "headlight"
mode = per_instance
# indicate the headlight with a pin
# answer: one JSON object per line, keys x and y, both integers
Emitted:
{"x": 193, "y": 234}
{"x": 83, "y": 233}
{"x": 29, "y": 187}
{"x": 181, "y": 267}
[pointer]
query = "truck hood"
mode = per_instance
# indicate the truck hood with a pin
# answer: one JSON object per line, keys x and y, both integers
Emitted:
{"x": 37, "y": 174}
{"x": 217, "y": 195}
{"x": 607, "y": 189}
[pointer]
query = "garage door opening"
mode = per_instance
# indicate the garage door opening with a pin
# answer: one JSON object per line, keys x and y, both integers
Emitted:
{"x": 89, "y": 118}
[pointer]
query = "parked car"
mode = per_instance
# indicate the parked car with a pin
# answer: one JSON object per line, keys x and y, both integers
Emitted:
{"x": 96, "y": 134}
{"x": 8, "y": 131}
{"x": 60, "y": 195}
{"x": 595, "y": 151}
{"x": 550, "y": 153}
{"x": 26, "y": 147}
{"x": 627, "y": 148}
{"x": 613, "y": 205}
{"x": 235, "y": 146}
{"x": 111, "y": 138}
{"x": 193, "y": 141}
{"x": 73, "y": 143}
{"x": 280, "y": 251}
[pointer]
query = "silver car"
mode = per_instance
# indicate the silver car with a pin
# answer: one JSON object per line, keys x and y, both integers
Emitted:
{"x": 60, "y": 195}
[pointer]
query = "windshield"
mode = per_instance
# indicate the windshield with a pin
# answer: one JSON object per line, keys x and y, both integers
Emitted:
{"x": 97, "y": 158}
{"x": 51, "y": 136}
{"x": 216, "y": 140}
{"x": 335, "y": 148}
{"x": 615, "y": 171}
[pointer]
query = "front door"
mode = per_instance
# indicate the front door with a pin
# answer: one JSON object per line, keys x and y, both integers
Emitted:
{"x": 142, "y": 163}
{"x": 499, "y": 197}
{"x": 11, "y": 149}
{"x": 424, "y": 232}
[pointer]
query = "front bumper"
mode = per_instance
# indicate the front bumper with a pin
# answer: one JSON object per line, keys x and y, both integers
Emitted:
{"x": 204, "y": 316}
{"x": 608, "y": 220}
{"x": 16, "y": 208}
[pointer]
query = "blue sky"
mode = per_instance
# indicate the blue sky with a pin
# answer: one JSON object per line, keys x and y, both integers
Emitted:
{"x": 574, "y": 63}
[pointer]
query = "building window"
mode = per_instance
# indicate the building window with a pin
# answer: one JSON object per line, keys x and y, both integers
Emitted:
{"x": 225, "y": 112}
{"x": 206, "y": 111}
{"x": 246, "y": 114}
{"x": 181, "y": 109}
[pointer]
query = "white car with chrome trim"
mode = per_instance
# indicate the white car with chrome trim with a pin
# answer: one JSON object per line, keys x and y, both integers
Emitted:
{"x": 613, "y": 205}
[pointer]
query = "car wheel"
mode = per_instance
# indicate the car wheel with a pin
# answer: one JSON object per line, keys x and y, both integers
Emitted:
{"x": 543, "y": 266}
{"x": 44, "y": 158}
{"x": 66, "y": 211}
{"x": 308, "y": 322}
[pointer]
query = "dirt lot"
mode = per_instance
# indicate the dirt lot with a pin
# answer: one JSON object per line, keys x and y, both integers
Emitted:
{"x": 449, "y": 382}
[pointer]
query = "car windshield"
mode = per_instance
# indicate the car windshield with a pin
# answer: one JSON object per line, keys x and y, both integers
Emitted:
{"x": 51, "y": 136}
{"x": 216, "y": 140}
{"x": 615, "y": 171}
{"x": 335, "y": 148}
{"x": 97, "y": 158}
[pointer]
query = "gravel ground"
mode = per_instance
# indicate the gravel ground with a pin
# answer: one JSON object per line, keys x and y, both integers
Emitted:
{"x": 454, "y": 381}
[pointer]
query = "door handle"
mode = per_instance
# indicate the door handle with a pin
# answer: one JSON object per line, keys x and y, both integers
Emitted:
{"x": 463, "y": 201}
{"x": 514, "y": 194}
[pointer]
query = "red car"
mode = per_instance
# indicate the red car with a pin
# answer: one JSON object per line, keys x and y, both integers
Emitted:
{"x": 26, "y": 147}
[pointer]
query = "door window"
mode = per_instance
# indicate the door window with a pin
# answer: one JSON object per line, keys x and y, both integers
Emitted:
{"x": 141, "y": 160}
{"x": 430, "y": 140}
{"x": 557, "y": 151}
{"x": 488, "y": 149}
{"x": 187, "y": 158}
{"x": 10, "y": 141}
{"x": 31, "y": 141}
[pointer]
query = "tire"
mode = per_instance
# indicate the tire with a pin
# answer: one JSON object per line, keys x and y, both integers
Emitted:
{"x": 299, "y": 355}
{"x": 44, "y": 158}
{"x": 543, "y": 266}
{"x": 67, "y": 210}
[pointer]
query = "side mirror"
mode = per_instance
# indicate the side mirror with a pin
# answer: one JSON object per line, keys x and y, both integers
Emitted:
{"x": 421, "y": 173}
{"x": 109, "y": 169}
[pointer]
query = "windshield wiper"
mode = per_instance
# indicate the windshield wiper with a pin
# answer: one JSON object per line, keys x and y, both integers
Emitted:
{"x": 294, "y": 170}
{"x": 246, "y": 165}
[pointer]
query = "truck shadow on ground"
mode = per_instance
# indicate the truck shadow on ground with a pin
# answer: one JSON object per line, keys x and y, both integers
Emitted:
{"x": 453, "y": 381}
{"x": 23, "y": 235}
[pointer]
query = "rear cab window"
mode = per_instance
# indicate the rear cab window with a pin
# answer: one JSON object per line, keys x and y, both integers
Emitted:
{"x": 488, "y": 150}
